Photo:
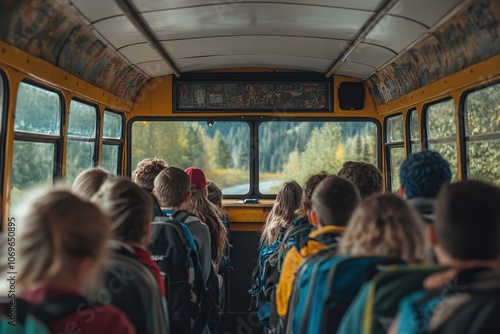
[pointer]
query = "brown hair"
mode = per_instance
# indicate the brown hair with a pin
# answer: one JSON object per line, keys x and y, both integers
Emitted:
{"x": 385, "y": 225}
{"x": 467, "y": 220}
{"x": 308, "y": 190}
{"x": 334, "y": 200}
{"x": 147, "y": 170}
{"x": 208, "y": 213}
{"x": 128, "y": 206}
{"x": 88, "y": 182}
{"x": 367, "y": 178}
{"x": 283, "y": 212}
{"x": 214, "y": 194}
{"x": 171, "y": 187}
{"x": 57, "y": 228}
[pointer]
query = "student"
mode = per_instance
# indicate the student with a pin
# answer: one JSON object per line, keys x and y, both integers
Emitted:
{"x": 144, "y": 175}
{"x": 62, "y": 248}
{"x": 333, "y": 201}
{"x": 172, "y": 188}
{"x": 366, "y": 177}
{"x": 421, "y": 176}
{"x": 383, "y": 225}
{"x": 130, "y": 208}
{"x": 202, "y": 208}
{"x": 282, "y": 213}
{"x": 465, "y": 236}
{"x": 88, "y": 182}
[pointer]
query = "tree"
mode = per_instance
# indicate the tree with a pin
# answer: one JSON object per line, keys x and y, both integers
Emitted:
{"x": 222, "y": 154}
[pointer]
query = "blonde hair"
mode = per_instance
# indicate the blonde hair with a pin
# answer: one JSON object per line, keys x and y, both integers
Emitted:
{"x": 385, "y": 225}
{"x": 283, "y": 212}
{"x": 88, "y": 182}
{"x": 208, "y": 213}
{"x": 57, "y": 228}
{"x": 129, "y": 207}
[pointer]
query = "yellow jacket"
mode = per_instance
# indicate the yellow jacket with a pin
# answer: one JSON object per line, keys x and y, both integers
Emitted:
{"x": 292, "y": 262}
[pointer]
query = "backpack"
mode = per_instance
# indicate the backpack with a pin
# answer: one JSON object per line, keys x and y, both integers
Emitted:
{"x": 376, "y": 305}
{"x": 297, "y": 236}
{"x": 18, "y": 316}
{"x": 173, "y": 248}
{"x": 324, "y": 287}
{"x": 265, "y": 278}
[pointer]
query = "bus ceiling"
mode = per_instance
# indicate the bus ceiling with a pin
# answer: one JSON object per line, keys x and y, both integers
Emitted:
{"x": 394, "y": 46}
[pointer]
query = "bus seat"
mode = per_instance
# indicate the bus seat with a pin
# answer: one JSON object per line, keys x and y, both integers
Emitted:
{"x": 134, "y": 290}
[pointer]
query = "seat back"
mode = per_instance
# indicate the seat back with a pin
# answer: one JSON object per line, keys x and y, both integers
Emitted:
{"x": 134, "y": 290}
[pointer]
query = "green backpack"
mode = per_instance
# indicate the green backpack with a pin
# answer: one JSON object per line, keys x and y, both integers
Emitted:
{"x": 377, "y": 302}
{"x": 17, "y": 316}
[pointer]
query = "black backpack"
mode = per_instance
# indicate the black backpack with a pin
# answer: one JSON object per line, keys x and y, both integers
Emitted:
{"x": 173, "y": 248}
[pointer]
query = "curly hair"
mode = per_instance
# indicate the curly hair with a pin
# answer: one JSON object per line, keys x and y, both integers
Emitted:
{"x": 147, "y": 170}
{"x": 367, "y": 178}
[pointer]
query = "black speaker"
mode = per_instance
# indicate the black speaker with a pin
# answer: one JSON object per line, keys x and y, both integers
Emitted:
{"x": 352, "y": 95}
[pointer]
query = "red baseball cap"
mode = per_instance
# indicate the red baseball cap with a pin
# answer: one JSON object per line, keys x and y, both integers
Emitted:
{"x": 197, "y": 177}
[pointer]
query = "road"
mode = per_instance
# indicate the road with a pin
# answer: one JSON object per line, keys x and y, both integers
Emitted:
{"x": 265, "y": 187}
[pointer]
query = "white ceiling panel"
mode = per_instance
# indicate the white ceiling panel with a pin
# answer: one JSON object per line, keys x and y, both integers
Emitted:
{"x": 243, "y": 45}
{"x": 119, "y": 32}
{"x": 371, "y": 55}
{"x": 257, "y": 19}
{"x": 97, "y": 10}
{"x": 228, "y": 5}
{"x": 419, "y": 10}
{"x": 140, "y": 53}
{"x": 219, "y": 62}
{"x": 354, "y": 70}
{"x": 155, "y": 68}
{"x": 395, "y": 33}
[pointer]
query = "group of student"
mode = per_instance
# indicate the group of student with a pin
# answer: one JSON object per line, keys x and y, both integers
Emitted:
{"x": 66, "y": 239}
{"x": 347, "y": 258}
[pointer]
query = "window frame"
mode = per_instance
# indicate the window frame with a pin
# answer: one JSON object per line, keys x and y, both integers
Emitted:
{"x": 463, "y": 137}
{"x": 46, "y": 138}
{"x": 247, "y": 120}
{"x": 253, "y": 124}
{"x": 95, "y": 140}
{"x": 408, "y": 139}
{"x": 113, "y": 141}
{"x": 392, "y": 145}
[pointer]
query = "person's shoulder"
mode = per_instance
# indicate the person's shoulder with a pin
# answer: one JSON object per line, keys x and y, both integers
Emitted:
{"x": 114, "y": 320}
{"x": 99, "y": 319}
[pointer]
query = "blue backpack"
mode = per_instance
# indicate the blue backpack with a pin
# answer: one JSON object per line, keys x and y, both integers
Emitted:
{"x": 324, "y": 286}
{"x": 265, "y": 279}
{"x": 17, "y": 316}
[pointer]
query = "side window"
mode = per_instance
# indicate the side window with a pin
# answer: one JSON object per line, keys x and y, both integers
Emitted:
{"x": 482, "y": 133}
{"x": 112, "y": 142}
{"x": 394, "y": 148}
{"x": 441, "y": 132}
{"x": 414, "y": 136}
{"x": 37, "y": 139}
{"x": 81, "y": 148}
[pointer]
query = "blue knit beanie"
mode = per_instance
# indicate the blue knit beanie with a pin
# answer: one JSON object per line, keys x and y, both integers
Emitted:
{"x": 422, "y": 174}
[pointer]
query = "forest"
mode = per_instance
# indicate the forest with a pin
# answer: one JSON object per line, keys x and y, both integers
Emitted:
{"x": 287, "y": 150}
